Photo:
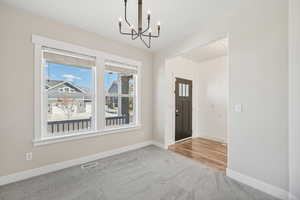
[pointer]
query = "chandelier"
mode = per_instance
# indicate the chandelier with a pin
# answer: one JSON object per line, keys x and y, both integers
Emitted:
{"x": 146, "y": 34}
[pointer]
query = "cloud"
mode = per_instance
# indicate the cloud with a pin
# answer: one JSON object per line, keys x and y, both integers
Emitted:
{"x": 70, "y": 77}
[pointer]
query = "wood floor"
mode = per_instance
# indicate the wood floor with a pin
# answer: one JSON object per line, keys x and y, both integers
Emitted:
{"x": 210, "y": 153}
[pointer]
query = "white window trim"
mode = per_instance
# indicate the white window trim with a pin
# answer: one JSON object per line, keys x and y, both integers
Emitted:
{"x": 101, "y": 58}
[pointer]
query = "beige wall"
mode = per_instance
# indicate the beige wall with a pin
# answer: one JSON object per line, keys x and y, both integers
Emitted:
{"x": 16, "y": 82}
{"x": 294, "y": 59}
{"x": 213, "y": 96}
{"x": 258, "y": 78}
{"x": 159, "y": 99}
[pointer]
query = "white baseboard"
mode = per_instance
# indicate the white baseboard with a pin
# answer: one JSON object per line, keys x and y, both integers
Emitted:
{"x": 70, "y": 163}
{"x": 158, "y": 144}
{"x": 257, "y": 184}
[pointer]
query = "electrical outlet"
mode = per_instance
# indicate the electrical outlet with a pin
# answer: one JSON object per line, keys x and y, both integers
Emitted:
{"x": 29, "y": 156}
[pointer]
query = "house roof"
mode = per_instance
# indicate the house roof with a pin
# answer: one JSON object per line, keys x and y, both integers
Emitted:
{"x": 53, "y": 87}
{"x": 113, "y": 88}
{"x": 52, "y": 83}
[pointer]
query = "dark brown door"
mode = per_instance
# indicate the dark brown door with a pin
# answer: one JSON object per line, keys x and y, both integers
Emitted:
{"x": 183, "y": 108}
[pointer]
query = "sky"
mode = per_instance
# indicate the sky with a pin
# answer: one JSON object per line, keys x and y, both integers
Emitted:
{"x": 109, "y": 78}
{"x": 79, "y": 75}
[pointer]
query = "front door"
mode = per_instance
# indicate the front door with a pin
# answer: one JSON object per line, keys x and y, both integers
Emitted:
{"x": 183, "y": 109}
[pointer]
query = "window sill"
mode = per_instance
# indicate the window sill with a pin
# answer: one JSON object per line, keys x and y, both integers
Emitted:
{"x": 46, "y": 141}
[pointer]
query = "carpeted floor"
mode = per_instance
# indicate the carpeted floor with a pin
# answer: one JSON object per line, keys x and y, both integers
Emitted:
{"x": 149, "y": 173}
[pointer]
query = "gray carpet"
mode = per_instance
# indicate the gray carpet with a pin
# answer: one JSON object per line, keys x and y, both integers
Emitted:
{"x": 149, "y": 173}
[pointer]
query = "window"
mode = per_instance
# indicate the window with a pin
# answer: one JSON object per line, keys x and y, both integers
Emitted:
{"x": 120, "y": 96}
{"x": 63, "y": 72}
{"x": 183, "y": 90}
{"x": 70, "y": 99}
{"x": 67, "y": 89}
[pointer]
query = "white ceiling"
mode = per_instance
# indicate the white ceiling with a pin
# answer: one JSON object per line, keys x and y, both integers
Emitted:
{"x": 212, "y": 50}
{"x": 179, "y": 18}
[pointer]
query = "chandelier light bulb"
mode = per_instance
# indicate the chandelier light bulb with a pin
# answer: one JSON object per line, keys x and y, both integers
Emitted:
{"x": 120, "y": 22}
{"x": 150, "y": 30}
{"x": 148, "y": 12}
{"x": 131, "y": 27}
{"x": 158, "y": 23}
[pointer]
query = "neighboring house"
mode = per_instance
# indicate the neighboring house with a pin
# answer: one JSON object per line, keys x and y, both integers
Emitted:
{"x": 112, "y": 101}
{"x": 114, "y": 87}
{"x": 67, "y": 91}
{"x": 116, "y": 103}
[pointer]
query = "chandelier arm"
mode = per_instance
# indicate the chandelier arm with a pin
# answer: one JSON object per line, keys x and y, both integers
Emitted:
{"x": 132, "y": 34}
{"x": 126, "y": 20}
{"x": 136, "y": 36}
{"x": 126, "y": 15}
{"x": 150, "y": 36}
{"x": 124, "y": 33}
{"x": 148, "y": 45}
{"x": 148, "y": 26}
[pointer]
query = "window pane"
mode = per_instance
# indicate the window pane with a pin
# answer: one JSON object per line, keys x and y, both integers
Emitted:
{"x": 114, "y": 80}
{"x": 128, "y": 109}
{"x": 180, "y": 89}
{"x": 183, "y": 90}
{"x": 111, "y": 83}
{"x": 69, "y": 99}
{"x": 120, "y": 88}
{"x": 112, "y": 107}
{"x": 119, "y": 111}
{"x": 187, "y": 90}
{"x": 127, "y": 84}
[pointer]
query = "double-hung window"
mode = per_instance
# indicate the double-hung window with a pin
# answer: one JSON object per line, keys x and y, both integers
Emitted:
{"x": 80, "y": 92}
{"x": 70, "y": 112}
{"x": 120, "y": 85}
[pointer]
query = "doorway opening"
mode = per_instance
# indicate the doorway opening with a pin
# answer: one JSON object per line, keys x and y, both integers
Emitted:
{"x": 198, "y": 119}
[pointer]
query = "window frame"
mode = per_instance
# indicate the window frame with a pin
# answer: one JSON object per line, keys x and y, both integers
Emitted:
{"x": 120, "y": 95}
{"x": 41, "y": 105}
